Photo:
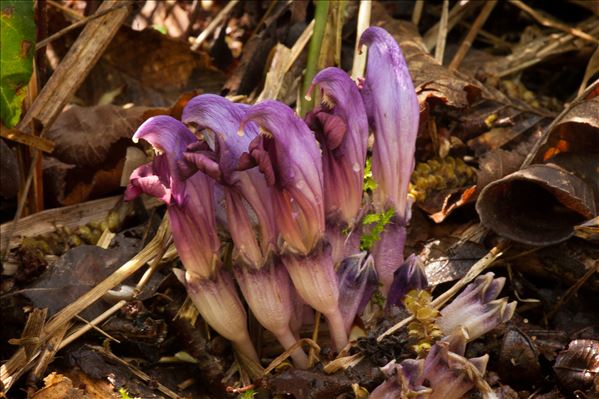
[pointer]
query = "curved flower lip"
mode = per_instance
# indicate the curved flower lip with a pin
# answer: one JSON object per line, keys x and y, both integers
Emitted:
{"x": 288, "y": 155}
{"x": 165, "y": 134}
{"x": 162, "y": 179}
{"x": 344, "y": 138}
{"x": 393, "y": 104}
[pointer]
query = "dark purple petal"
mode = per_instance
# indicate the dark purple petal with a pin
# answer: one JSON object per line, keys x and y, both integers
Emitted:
{"x": 343, "y": 132}
{"x": 409, "y": 276}
{"x": 388, "y": 252}
{"x": 288, "y": 154}
{"x": 268, "y": 293}
{"x": 357, "y": 283}
{"x": 395, "y": 111}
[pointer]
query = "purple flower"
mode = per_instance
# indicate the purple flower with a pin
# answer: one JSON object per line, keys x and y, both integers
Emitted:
{"x": 192, "y": 219}
{"x": 341, "y": 127}
{"x": 391, "y": 101}
{"x": 287, "y": 153}
{"x": 450, "y": 375}
{"x": 220, "y": 119}
{"x": 357, "y": 283}
{"x": 402, "y": 381}
{"x": 191, "y": 202}
{"x": 475, "y": 310}
{"x": 409, "y": 276}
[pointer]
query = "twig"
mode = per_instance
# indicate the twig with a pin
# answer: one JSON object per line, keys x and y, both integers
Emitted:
{"x": 359, "y": 64}
{"x": 66, "y": 10}
{"x": 98, "y": 329}
{"x": 474, "y": 271}
{"x": 76, "y": 25}
{"x": 474, "y": 29}
{"x": 213, "y": 25}
{"x": 457, "y": 12}
{"x": 320, "y": 17}
{"x": 442, "y": 34}
{"x": 417, "y": 12}
{"x": 551, "y": 23}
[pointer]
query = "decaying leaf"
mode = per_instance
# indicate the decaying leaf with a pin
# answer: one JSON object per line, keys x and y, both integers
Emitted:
{"x": 91, "y": 147}
{"x": 152, "y": 70}
{"x": 76, "y": 272}
{"x": 94, "y": 136}
{"x": 57, "y": 386}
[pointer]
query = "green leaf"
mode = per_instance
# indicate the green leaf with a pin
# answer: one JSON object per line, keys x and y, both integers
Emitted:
{"x": 369, "y": 183}
{"x": 124, "y": 394}
{"x": 249, "y": 394}
{"x": 17, "y": 45}
{"x": 380, "y": 220}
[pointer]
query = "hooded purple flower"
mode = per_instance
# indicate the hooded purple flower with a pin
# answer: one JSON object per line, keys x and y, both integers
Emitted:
{"x": 391, "y": 101}
{"x": 287, "y": 153}
{"x": 357, "y": 283}
{"x": 475, "y": 310}
{"x": 191, "y": 202}
{"x": 409, "y": 276}
{"x": 242, "y": 188}
{"x": 341, "y": 127}
{"x": 445, "y": 372}
{"x": 192, "y": 219}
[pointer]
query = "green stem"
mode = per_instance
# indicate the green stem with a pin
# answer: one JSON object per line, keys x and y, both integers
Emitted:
{"x": 320, "y": 15}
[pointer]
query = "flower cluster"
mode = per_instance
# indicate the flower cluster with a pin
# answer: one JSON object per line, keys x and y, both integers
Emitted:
{"x": 293, "y": 197}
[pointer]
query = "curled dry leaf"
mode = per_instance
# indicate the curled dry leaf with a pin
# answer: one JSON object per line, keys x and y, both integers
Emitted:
{"x": 577, "y": 131}
{"x": 538, "y": 205}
